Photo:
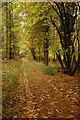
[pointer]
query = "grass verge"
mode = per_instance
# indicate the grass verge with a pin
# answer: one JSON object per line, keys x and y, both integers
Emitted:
{"x": 51, "y": 69}
{"x": 28, "y": 71}
{"x": 10, "y": 76}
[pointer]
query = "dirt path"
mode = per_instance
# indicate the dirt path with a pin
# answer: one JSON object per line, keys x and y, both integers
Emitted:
{"x": 47, "y": 97}
{"x": 25, "y": 97}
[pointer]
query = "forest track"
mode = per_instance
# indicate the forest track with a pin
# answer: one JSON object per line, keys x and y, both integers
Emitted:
{"x": 46, "y": 96}
{"x": 26, "y": 98}
{"x": 30, "y": 105}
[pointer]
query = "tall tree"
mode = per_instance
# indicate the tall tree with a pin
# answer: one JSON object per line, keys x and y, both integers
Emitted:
{"x": 7, "y": 13}
{"x": 10, "y": 35}
{"x": 67, "y": 14}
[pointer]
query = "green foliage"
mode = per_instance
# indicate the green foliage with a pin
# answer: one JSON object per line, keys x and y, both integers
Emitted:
{"x": 51, "y": 69}
{"x": 17, "y": 29}
{"x": 10, "y": 76}
{"x": 48, "y": 70}
{"x": 32, "y": 26}
{"x": 22, "y": 55}
{"x": 39, "y": 65}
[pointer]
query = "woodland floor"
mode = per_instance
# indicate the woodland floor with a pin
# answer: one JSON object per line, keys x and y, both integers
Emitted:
{"x": 44, "y": 96}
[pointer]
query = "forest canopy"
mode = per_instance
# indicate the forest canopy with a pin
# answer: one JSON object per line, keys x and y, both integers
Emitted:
{"x": 44, "y": 31}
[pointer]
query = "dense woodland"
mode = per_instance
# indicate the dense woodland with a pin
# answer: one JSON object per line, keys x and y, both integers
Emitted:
{"x": 45, "y": 32}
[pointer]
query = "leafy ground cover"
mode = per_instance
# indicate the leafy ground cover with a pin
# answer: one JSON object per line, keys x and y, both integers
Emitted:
{"x": 55, "y": 96}
{"x": 29, "y": 93}
{"x": 10, "y": 76}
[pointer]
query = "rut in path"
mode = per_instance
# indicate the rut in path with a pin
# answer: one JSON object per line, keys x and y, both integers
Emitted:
{"x": 26, "y": 98}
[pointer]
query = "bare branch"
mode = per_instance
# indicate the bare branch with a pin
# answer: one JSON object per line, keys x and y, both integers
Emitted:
{"x": 55, "y": 9}
{"x": 57, "y": 31}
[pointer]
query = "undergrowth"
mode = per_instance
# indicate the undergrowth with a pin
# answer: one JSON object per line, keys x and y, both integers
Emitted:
{"x": 28, "y": 72}
{"x": 10, "y": 76}
{"x": 51, "y": 69}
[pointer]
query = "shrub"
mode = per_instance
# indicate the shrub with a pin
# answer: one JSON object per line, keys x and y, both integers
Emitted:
{"x": 48, "y": 70}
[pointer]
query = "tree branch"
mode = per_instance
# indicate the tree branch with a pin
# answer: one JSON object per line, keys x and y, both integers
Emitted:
{"x": 59, "y": 58}
{"x": 61, "y": 18}
{"x": 57, "y": 31}
{"x": 55, "y": 9}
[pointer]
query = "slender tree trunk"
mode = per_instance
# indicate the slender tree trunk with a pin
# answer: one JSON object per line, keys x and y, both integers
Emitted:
{"x": 10, "y": 36}
{"x": 2, "y": 27}
{"x": 46, "y": 46}
{"x": 78, "y": 48}
{"x": 39, "y": 52}
{"x": 33, "y": 53}
{"x": 2, "y": 33}
{"x": 13, "y": 51}
{"x": 44, "y": 53}
{"x": 54, "y": 57}
{"x": 13, "y": 40}
{"x": 34, "y": 57}
{"x": 60, "y": 61}
{"x": 6, "y": 29}
{"x": 47, "y": 52}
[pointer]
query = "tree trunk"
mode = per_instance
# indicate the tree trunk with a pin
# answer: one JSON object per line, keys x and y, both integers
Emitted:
{"x": 39, "y": 52}
{"x": 59, "y": 58}
{"x": 10, "y": 40}
{"x": 46, "y": 52}
{"x": 34, "y": 57}
{"x": 33, "y": 53}
{"x": 46, "y": 46}
{"x": 6, "y": 29}
{"x": 2, "y": 34}
{"x": 78, "y": 48}
{"x": 13, "y": 51}
{"x": 67, "y": 22}
{"x": 54, "y": 58}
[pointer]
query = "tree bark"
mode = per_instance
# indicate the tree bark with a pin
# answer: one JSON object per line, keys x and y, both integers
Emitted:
{"x": 10, "y": 36}
{"x": 59, "y": 58}
{"x": 46, "y": 52}
{"x": 33, "y": 53}
{"x": 39, "y": 51}
{"x": 6, "y": 29}
{"x": 78, "y": 48}
{"x": 67, "y": 21}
